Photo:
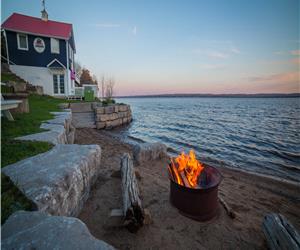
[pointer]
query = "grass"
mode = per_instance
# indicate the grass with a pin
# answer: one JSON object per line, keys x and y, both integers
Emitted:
{"x": 5, "y": 77}
{"x": 12, "y": 199}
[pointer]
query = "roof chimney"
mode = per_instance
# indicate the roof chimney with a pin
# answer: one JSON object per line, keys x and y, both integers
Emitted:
{"x": 44, "y": 12}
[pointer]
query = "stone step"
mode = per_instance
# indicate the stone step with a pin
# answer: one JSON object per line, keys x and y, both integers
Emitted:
{"x": 84, "y": 120}
{"x": 58, "y": 181}
{"x": 81, "y": 107}
{"x": 36, "y": 230}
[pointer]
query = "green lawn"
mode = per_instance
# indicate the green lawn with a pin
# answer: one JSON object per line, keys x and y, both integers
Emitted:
{"x": 12, "y": 151}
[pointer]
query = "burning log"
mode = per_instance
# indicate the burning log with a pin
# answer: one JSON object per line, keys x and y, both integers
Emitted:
{"x": 280, "y": 234}
{"x": 132, "y": 205}
{"x": 184, "y": 179}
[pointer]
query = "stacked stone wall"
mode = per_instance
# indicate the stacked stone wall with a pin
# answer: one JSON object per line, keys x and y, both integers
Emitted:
{"x": 112, "y": 116}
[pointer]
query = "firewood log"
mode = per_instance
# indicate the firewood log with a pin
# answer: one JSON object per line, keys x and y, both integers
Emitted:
{"x": 280, "y": 234}
{"x": 184, "y": 179}
{"x": 132, "y": 205}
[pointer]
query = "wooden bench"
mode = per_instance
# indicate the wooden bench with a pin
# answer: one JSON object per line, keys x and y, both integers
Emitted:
{"x": 6, "y": 105}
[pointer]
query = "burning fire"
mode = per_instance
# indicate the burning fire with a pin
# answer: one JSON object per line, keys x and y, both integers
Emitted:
{"x": 186, "y": 169}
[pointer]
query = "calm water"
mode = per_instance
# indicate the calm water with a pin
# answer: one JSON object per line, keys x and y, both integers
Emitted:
{"x": 256, "y": 134}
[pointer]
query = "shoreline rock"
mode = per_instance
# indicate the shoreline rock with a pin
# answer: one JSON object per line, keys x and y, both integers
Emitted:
{"x": 36, "y": 230}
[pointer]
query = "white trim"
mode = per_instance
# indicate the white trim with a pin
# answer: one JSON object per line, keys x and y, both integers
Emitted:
{"x": 52, "y": 47}
{"x": 7, "y": 55}
{"x": 56, "y": 61}
{"x": 67, "y": 80}
{"x": 18, "y": 41}
{"x": 36, "y": 34}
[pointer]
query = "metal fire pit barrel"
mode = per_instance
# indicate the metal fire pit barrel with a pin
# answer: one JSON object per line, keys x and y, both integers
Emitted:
{"x": 198, "y": 203}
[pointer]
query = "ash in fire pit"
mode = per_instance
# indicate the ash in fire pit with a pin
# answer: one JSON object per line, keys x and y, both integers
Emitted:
{"x": 194, "y": 187}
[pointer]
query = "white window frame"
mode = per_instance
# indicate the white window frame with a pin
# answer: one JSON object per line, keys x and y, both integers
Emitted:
{"x": 18, "y": 40}
{"x": 59, "y": 84}
{"x": 52, "y": 47}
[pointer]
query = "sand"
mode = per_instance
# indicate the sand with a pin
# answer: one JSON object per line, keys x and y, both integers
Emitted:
{"x": 250, "y": 196}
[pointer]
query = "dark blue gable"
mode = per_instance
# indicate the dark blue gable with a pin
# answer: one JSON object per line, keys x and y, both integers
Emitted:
{"x": 31, "y": 57}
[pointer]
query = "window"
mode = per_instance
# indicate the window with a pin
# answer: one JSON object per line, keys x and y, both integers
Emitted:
{"x": 54, "y": 46}
{"x": 62, "y": 84}
{"x": 59, "y": 84}
{"x": 22, "y": 41}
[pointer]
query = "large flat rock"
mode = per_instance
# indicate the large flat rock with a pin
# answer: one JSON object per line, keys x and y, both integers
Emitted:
{"x": 36, "y": 230}
{"x": 58, "y": 181}
{"x": 59, "y": 128}
{"x": 52, "y": 136}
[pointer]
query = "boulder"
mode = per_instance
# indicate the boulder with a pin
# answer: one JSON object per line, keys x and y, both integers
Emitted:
{"x": 64, "y": 105}
{"x": 58, "y": 181}
{"x": 36, "y": 230}
{"x": 149, "y": 151}
{"x": 101, "y": 125}
{"x": 123, "y": 108}
{"x": 18, "y": 86}
{"x": 100, "y": 110}
{"x": 109, "y": 109}
{"x": 71, "y": 134}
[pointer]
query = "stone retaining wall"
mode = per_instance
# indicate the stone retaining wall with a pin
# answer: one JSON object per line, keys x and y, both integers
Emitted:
{"x": 112, "y": 116}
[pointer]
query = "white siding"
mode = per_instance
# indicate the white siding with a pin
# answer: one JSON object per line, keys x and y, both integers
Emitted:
{"x": 39, "y": 76}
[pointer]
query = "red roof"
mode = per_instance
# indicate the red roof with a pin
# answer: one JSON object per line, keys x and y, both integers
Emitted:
{"x": 34, "y": 25}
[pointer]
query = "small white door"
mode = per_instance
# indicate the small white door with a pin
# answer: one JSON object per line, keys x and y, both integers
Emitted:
{"x": 59, "y": 84}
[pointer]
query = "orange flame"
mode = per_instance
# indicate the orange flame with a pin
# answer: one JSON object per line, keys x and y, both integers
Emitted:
{"x": 187, "y": 166}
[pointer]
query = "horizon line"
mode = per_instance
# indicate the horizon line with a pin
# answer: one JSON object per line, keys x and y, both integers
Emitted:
{"x": 293, "y": 94}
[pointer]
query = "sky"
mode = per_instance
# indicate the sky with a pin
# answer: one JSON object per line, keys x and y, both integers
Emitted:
{"x": 192, "y": 46}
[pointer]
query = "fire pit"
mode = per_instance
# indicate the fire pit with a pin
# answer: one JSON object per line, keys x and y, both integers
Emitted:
{"x": 194, "y": 187}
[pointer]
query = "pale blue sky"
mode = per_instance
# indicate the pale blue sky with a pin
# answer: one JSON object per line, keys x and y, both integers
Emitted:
{"x": 229, "y": 46}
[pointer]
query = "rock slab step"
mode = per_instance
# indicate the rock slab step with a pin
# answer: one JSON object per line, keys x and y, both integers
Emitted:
{"x": 58, "y": 181}
{"x": 36, "y": 230}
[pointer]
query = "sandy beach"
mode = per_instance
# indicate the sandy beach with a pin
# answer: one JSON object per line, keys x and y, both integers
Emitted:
{"x": 250, "y": 196}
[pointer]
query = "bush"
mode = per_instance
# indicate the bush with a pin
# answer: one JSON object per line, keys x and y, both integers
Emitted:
{"x": 108, "y": 101}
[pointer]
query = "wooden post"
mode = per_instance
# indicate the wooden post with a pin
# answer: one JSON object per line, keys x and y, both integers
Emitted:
{"x": 132, "y": 205}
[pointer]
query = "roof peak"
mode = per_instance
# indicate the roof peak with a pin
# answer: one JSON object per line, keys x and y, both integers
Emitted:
{"x": 37, "y": 18}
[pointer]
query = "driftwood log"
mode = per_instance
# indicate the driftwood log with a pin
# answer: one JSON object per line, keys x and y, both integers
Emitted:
{"x": 228, "y": 209}
{"x": 132, "y": 205}
{"x": 280, "y": 234}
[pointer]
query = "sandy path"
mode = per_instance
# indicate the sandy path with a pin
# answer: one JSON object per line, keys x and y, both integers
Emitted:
{"x": 250, "y": 196}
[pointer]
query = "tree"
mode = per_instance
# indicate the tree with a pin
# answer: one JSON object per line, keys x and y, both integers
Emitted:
{"x": 78, "y": 68}
{"x": 85, "y": 77}
{"x": 102, "y": 87}
{"x": 110, "y": 84}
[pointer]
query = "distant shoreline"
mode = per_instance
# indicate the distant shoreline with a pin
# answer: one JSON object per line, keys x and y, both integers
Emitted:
{"x": 217, "y": 95}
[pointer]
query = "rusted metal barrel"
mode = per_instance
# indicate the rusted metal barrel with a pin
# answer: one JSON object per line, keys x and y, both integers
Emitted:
{"x": 198, "y": 203}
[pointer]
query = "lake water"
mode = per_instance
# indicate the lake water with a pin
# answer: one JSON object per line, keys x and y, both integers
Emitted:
{"x": 255, "y": 134}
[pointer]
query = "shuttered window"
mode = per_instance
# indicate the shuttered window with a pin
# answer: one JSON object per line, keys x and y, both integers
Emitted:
{"x": 54, "y": 46}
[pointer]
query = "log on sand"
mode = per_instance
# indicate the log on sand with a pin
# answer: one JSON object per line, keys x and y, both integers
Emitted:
{"x": 280, "y": 234}
{"x": 228, "y": 210}
{"x": 132, "y": 205}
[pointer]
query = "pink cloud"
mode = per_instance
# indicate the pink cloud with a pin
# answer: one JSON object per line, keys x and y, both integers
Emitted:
{"x": 295, "y": 52}
{"x": 288, "y": 77}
